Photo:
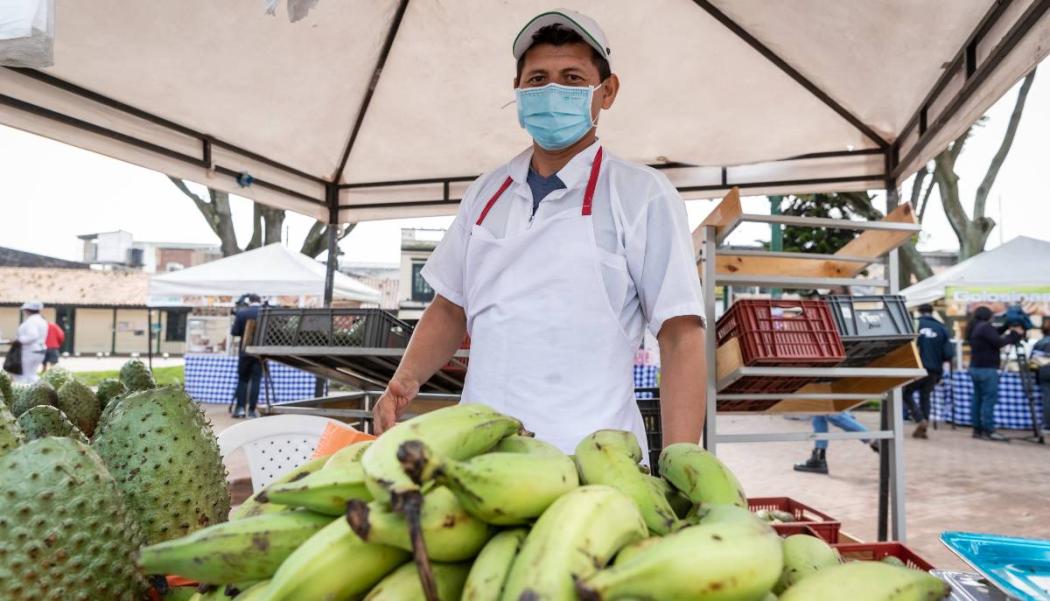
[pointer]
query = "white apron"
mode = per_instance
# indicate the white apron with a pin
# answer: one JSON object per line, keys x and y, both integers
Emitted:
{"x": 546, "y": 347}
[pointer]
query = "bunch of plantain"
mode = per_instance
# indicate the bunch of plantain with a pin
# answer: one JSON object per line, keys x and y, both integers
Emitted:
{"x": 459, "y": 503}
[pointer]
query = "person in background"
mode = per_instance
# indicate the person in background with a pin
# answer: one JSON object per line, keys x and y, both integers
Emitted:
{"x": 55, "y": 337}
{"x": 985, "y": 341}
{"x": 1016, "y": 316}
{"x": 935, "y": 348}
{"x": 818, "y": 459}
{"x": 249, "y": 369}
{"x": 32, "y": 333}
{"x": 1040, "y": 361}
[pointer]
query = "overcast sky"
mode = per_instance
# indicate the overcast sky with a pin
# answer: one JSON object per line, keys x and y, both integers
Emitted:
{"x": 53, "y": 192}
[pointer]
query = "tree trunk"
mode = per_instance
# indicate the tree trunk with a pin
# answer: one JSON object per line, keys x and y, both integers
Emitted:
{"x": 972, "y": 232}
{"x": 316, "y": 241}
{"x": 216, "y": 212}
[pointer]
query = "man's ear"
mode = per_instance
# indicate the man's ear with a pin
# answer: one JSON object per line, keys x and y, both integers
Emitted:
{"x": 610, "y": 88}
{"x": 515, "y": 82}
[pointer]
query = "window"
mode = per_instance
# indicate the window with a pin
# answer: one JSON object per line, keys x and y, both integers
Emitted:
{"x": 175, "y": 320}
{"x": 421, "y": 290}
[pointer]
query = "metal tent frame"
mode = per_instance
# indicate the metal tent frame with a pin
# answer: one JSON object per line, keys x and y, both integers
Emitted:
{"x": 972, "y": 62}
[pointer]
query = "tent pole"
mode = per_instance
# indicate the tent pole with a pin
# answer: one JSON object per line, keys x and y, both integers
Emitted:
{"x": 332, "y": 193}
{"x": 891, "y": 458}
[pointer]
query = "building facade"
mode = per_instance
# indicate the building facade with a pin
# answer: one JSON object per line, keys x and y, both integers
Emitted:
{"x": 103, "y": 312}
{"x": 414, "y": 294}
{"x": 119, "y": 250}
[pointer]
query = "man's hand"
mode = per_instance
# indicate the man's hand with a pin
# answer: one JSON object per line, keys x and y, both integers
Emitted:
{"x": 398, "y": 394}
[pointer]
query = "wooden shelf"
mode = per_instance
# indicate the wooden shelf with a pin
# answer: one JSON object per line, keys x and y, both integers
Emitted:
{"x": 877, "y": 239}
{"x": 844, "y": 388}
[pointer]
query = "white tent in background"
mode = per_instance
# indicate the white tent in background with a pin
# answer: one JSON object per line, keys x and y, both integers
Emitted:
{"x": 269, "y": 271}
{"x": 378, "y": 109}
{"x": 1020, "y": 262}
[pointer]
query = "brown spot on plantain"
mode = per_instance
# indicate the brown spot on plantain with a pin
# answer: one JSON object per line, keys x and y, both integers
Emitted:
{"x": 260, "y": 542}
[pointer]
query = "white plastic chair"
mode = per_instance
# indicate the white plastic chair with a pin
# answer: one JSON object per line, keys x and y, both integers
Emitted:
{"x": 275, "y": 444}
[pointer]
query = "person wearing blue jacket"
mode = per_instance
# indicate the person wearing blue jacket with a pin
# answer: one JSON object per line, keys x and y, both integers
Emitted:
{"x": 935, "y": 348}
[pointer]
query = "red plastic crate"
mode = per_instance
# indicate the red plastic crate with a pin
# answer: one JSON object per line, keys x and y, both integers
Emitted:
{"x": 459, "y": 365}
{"x": 764, "y": 384}
{"x": 800, "y": 333}
{"x": 823, "y": 525}
{"x": 792, "y": 528}
{"x": 876, "y": 551}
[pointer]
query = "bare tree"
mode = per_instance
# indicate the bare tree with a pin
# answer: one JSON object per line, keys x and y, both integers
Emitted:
{"x": 267, "y": 223}
{"x": 973, "y": 230}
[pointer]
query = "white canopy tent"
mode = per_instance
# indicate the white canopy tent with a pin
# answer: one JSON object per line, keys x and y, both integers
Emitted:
{"x": 1019, "y": 263}
{"x": 269, "y": 271}
{"x": 378, "y": 109}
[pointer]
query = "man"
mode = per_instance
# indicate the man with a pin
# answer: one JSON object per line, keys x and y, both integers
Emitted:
{"x": 558, "y": 260}
{"x": 32, "y": 334}
{"x": 985, "y": 342}
{"x": 935, "y": 348}
{"x": 249, "y": 369}
{"x": 55, "y": 337}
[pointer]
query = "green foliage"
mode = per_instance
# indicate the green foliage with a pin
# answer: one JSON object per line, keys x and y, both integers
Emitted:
{"x": 165, "y": 376}
{"x": 817, "y": 240}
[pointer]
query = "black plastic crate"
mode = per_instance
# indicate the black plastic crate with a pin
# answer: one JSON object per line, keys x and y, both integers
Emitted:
{"x": 332, "y": 327}
{"x": 871, "y": 326}
{"x": 650, "y": 409}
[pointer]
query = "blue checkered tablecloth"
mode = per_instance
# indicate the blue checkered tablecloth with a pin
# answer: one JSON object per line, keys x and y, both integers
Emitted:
{"x": 956, "y": 392}
{"x": 646, "y": 376}
{"x": 213, "y": 379}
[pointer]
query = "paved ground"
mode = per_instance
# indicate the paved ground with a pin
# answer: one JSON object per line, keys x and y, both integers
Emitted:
{"x": 953, "y": 481}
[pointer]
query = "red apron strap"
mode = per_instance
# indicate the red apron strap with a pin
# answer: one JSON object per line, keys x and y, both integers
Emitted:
{"x": 592, "y": 182}
{"x": 588, "y": 194}
{"x": 492, "y": 201}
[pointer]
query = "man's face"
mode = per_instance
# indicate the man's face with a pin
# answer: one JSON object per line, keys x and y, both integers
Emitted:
{"x": 567, "y": 65}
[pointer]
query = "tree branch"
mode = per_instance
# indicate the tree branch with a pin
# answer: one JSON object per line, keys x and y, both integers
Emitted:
{"x": 948, "y": 186}
{"x": 860, "y": 203}
{"x": 202, "y": 205}
{"x": 346, "y": 231}
{"x": 216, "y": 212}
{"x": 925, "y": 201}
{"x": 981, "y": 199}
{"x": 256, "y": 239}
{"x": 957, "y": 146}
{"x": 916, "y": 186}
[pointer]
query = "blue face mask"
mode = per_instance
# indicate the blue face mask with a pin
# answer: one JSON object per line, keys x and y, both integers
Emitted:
{"x": 556, "y": 116}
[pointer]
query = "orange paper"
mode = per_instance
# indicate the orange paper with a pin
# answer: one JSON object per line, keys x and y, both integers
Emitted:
{"x": 336, "y": 437}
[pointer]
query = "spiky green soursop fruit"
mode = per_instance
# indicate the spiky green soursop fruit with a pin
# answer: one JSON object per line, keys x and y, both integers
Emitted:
{"x": 56, "y": 376}
{"x": 109, "y": 389}
{"x": 65, "y": 532}
{"x": 136, "y": 376}
{"x": 40, "y": 393}
{"x": 11, "y": 434}
{"x": 161, "y": 450}
{"x": 45, "y": 420}
{"x": 80, "y": 406}
{"x": 7, "y": 392}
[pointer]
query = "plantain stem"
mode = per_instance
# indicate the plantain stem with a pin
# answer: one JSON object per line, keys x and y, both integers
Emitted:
{"x": 410, "y": 505}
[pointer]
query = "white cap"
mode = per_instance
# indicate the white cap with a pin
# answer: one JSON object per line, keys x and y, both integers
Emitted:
{"x": 580, "y": 23}
{"x": 33, "y": 306}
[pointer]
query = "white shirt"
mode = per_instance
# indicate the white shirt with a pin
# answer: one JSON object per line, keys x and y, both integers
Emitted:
{"x": 32, "y": 333}
{"x": 640, "y": 226}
